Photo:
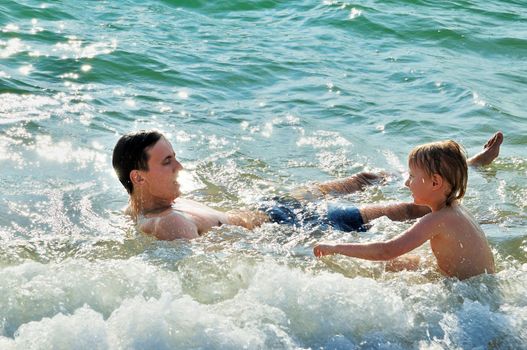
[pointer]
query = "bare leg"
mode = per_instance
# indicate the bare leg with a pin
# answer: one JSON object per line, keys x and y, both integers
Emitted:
{"x": 348, "y": 185}
{"x": 491, "y": 150}
{"x": 351, "y": 184}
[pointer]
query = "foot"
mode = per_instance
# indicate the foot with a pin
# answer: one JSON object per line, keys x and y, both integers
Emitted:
{"x": 491, "y": 150}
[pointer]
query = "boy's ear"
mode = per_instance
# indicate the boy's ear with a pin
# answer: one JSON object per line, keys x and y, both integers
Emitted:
{"x": 437, "y": 181}
{"x": 136, "y": 177}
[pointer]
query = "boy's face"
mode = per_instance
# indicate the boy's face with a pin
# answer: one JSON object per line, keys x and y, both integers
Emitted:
{"x": 420, "y": 184}
{"x": 163, "y": 169}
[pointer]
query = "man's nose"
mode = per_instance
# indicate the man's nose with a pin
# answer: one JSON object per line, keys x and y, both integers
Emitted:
{"x": 178, "y": 166}
{"x": 407, "y": 183}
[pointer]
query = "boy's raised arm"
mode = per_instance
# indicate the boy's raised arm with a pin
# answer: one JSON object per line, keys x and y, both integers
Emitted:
{"x": 412, "y": 238}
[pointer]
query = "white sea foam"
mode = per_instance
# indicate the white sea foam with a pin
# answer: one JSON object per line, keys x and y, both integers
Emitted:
{"x": 133, "y": 304}
{"x": 84, "y": 329}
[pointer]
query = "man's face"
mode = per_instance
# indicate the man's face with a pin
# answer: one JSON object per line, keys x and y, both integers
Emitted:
{"x": 163, "y": 169}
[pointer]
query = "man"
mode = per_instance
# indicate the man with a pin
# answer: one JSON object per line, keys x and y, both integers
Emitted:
{"x": 146, "y": 165}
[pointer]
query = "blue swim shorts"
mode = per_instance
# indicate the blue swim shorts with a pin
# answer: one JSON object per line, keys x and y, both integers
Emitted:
{"x": 289, "y": 211}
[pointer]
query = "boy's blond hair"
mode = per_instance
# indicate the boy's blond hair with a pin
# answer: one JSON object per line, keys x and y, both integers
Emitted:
{"x": 447, "y": 159}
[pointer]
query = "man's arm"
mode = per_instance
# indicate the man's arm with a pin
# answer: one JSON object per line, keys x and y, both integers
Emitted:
{"x": 412, "y": 238}
{"x": 246, "y": 218}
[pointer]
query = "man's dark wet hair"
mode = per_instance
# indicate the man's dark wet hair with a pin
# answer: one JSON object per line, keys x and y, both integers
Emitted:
{"x": 130, "y": 154}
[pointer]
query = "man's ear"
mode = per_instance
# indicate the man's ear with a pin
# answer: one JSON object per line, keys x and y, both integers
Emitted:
{"x": 136, "y": 177}
{"x": 437, "y": 181}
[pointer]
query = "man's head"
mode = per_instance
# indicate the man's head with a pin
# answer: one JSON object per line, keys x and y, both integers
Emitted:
{"x": 446, "y": 159}
{"x": 146, "y": 158}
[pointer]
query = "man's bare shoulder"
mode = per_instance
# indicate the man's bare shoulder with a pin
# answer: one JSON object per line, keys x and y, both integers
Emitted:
{"x": 168, "y": 225}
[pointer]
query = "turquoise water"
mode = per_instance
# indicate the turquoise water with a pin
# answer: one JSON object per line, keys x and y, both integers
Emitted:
{"x": 257, "y": 97}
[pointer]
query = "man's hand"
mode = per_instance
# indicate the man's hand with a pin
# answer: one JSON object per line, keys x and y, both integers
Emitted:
{"x": 246, "y": 218}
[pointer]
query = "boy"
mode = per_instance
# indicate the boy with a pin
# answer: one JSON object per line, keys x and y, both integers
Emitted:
{"x": 437, "y": 180}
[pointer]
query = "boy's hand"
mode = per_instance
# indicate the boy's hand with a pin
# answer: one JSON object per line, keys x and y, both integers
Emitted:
{"x": 322, "y": 249}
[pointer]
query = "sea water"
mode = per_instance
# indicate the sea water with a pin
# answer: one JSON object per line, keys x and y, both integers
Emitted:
{"x": 257, "y": 97}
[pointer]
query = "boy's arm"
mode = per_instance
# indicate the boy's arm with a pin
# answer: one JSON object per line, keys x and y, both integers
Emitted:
{"x": 394, "y": 211}
{"x": 412, "y": 238}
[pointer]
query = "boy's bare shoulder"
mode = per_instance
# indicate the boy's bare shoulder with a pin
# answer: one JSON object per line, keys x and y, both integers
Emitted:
{"x": 443, "y": 215}
{"x": 446, "y": 221}
{"x": 431, "y": 218}
{"x": 434, "y": 223}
